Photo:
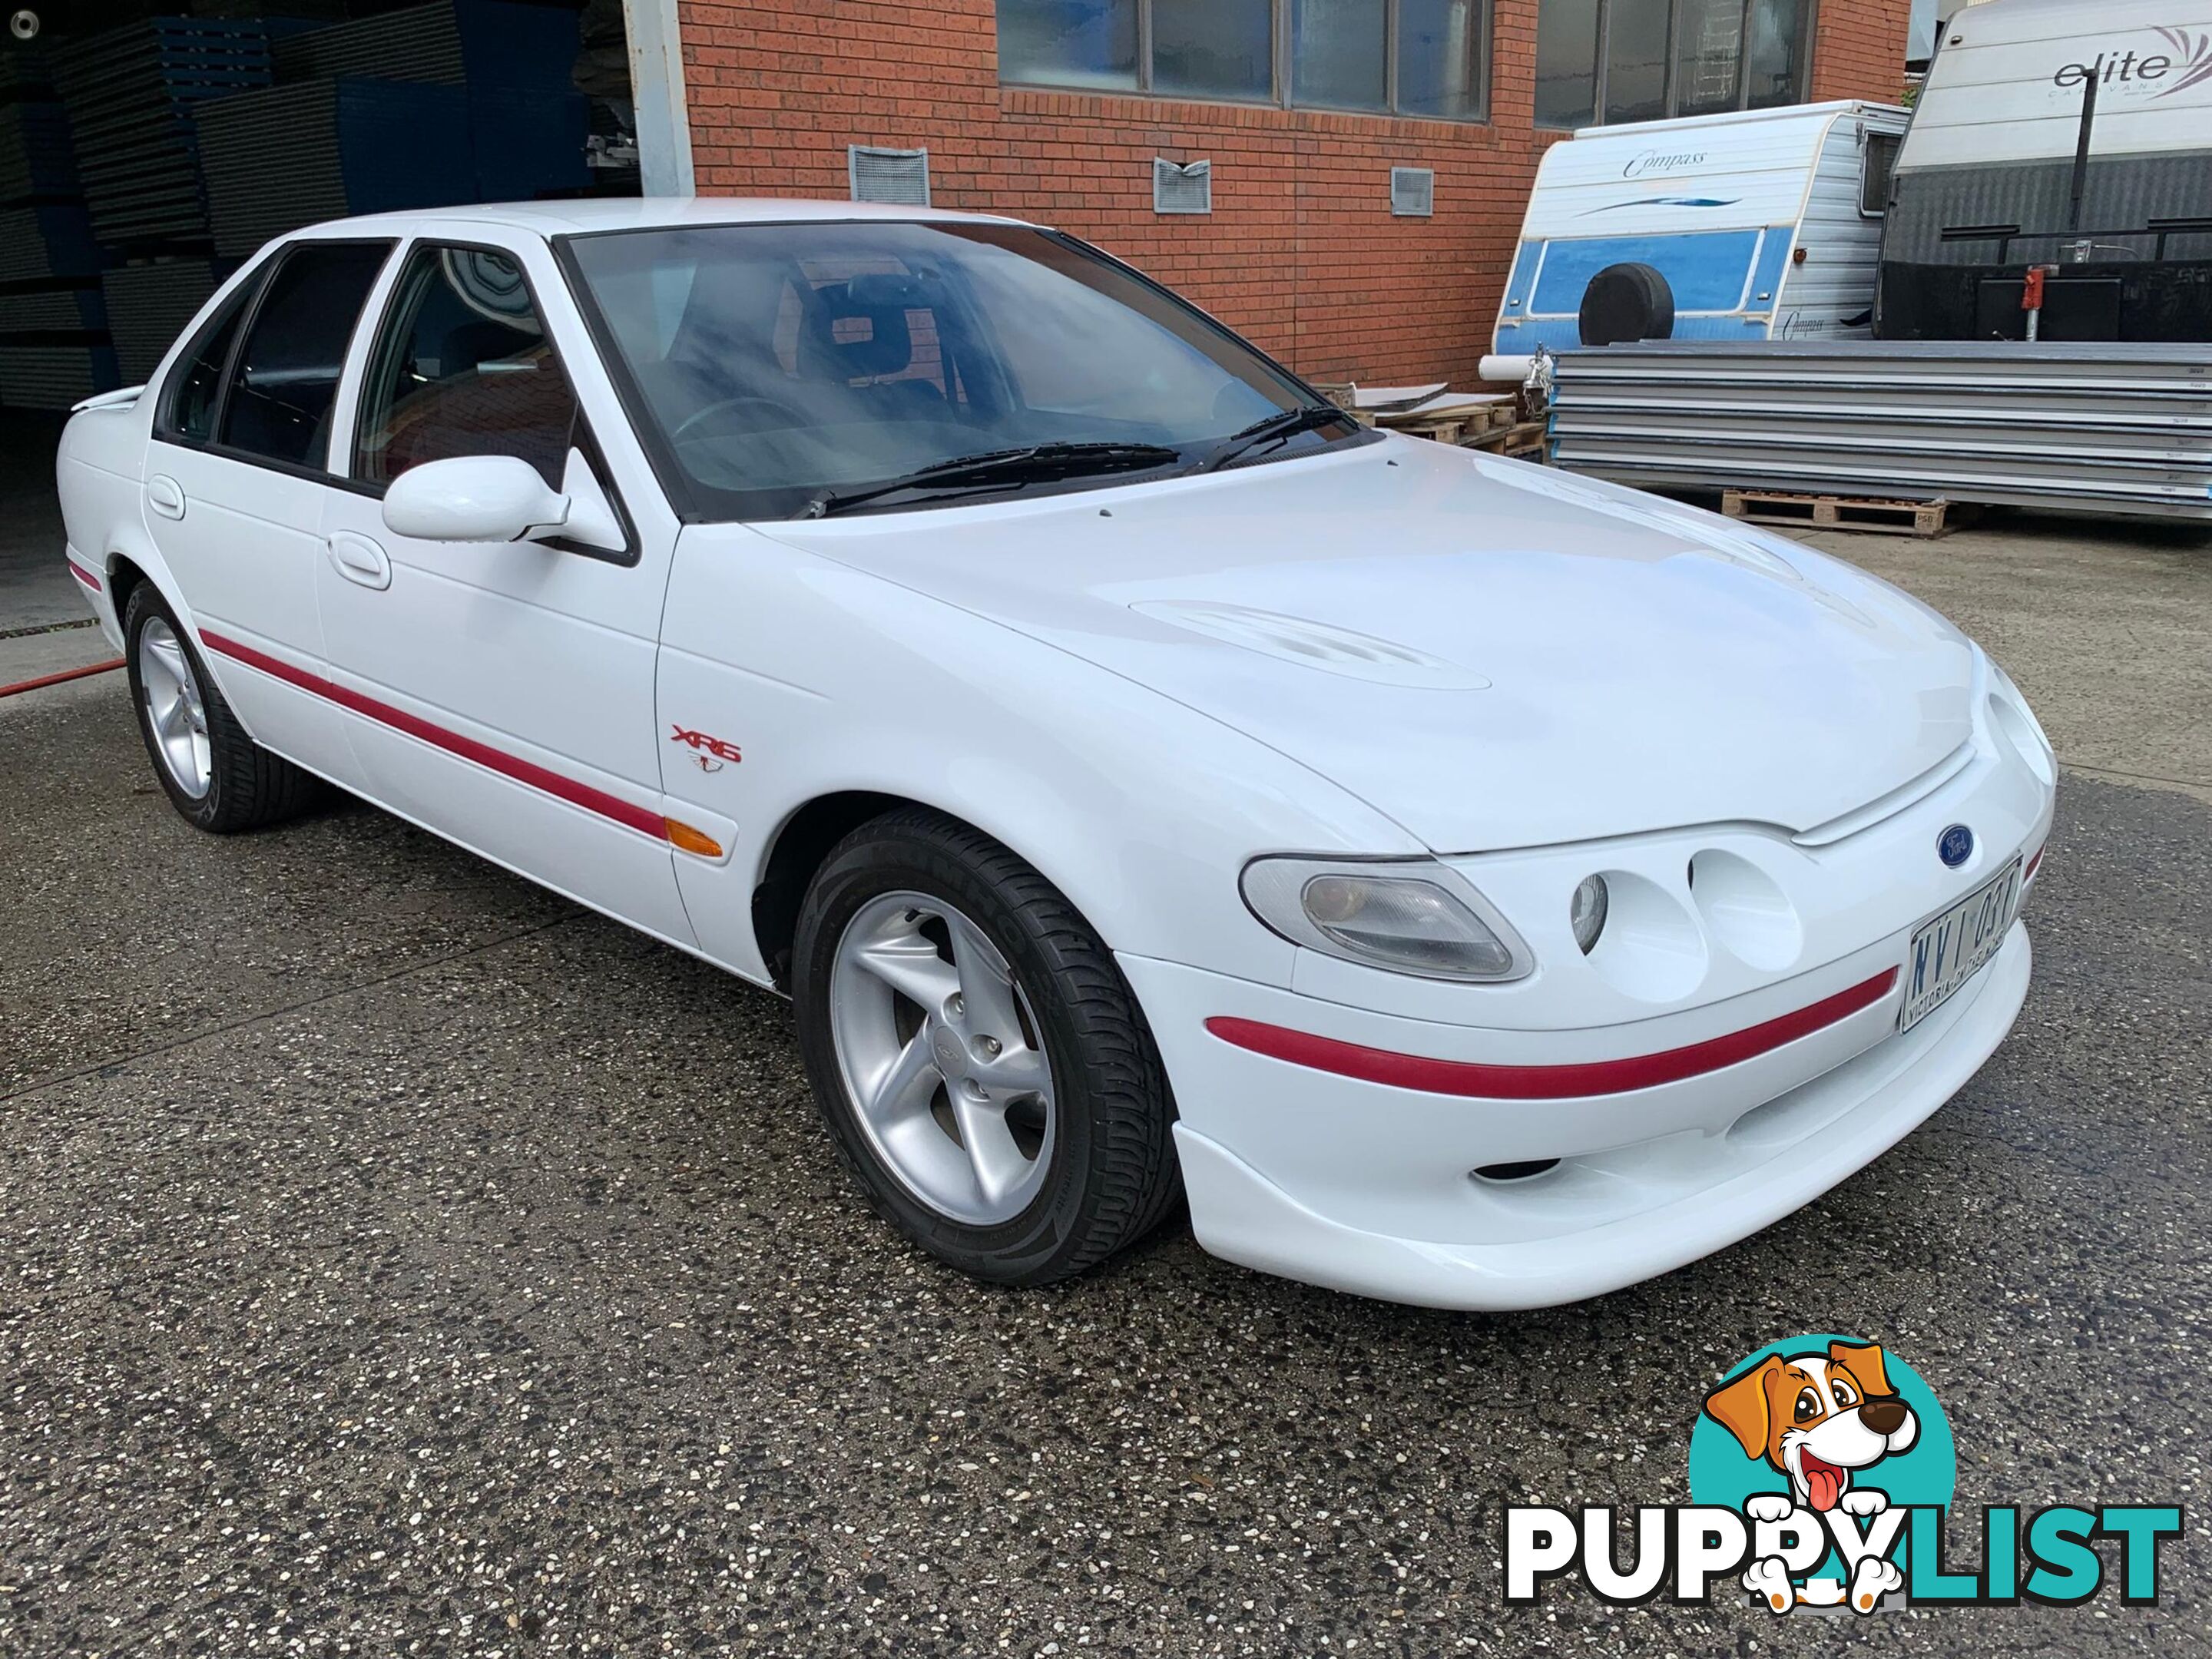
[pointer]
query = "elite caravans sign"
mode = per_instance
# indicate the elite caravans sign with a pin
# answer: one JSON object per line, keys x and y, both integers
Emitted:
{"x": 2184, "y": 60}
{"x": 2013, "y": 86}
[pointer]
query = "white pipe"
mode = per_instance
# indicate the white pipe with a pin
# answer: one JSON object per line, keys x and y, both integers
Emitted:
{"x": 1514, "y": 368}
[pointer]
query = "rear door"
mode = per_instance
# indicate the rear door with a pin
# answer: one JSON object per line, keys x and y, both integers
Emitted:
{"x": 236, "y": 484}
{"x": 501, "y": 693}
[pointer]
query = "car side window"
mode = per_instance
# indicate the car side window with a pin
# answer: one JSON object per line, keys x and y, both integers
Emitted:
{"x": 462, "y": 366}
{"x": 284, "y": 385}
{"x": 195, "y": 385}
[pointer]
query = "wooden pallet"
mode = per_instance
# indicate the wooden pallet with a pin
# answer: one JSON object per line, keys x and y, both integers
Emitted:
{"x": 1522, "y": 440}
{"x": 1880, "y": 517}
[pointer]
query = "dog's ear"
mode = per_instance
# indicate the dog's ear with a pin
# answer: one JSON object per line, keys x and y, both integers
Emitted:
{"x": 1863, "y": 1362}
{"x": 1740, "y": 1406}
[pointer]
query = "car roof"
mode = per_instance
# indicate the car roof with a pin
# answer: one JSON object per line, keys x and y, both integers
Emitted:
{"x": 582, "y": 218}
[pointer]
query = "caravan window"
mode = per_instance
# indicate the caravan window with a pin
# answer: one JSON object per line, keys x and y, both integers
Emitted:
{"x": 1877, "y": 162}
{"x": 1707, "y": 270}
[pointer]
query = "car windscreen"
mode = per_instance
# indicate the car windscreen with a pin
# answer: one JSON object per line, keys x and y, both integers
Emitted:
{"x": 773, "y": 362}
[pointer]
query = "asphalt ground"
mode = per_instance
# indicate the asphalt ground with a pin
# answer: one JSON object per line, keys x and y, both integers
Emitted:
{"x": 395, "y": 1260}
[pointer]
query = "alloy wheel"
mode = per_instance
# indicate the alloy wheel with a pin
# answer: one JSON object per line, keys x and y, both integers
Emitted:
{"x": 176, "y": 713}
{"x": 942, "y": 1058}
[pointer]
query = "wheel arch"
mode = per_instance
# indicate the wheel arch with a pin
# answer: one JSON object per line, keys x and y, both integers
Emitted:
{"x": 795, "y": 852}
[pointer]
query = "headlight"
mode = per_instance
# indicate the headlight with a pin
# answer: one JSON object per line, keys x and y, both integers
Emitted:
{"x": 1411, "y": 916}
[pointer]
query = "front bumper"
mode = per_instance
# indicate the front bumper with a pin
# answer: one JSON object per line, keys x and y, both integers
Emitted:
{"x": 1370, "y": 1188}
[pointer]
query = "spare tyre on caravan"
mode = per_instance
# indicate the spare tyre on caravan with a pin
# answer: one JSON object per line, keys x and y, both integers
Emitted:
{"x": 1749, "y": 226}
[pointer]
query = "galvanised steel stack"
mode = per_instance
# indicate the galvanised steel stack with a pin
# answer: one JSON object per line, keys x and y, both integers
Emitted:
{"x": 2116, "y": 428}
{"x": 130, "y": 94}
{"x": 287, "y": 156}
{"x": 148, "y": 305}
{"x": 53, "y": 328}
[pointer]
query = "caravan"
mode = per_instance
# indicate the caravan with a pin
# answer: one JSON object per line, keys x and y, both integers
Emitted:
{"x": 1765, "y": 224}
{"x": 2075, "y": 134}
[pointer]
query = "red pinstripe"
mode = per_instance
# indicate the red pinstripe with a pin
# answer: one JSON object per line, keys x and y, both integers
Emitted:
{"x": 570, "y": 789}
{"x": 1603, "y": 1077}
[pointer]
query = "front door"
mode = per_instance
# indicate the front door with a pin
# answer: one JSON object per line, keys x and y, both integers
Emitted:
{"x": 501, "y": 694}
{"x": 235, "y": 483}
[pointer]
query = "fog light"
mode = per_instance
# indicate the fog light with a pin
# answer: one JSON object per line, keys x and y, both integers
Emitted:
{"x": 1586, "y": 912}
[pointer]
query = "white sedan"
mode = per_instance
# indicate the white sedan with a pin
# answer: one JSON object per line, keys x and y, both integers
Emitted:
{"x": 1470, "y": 885}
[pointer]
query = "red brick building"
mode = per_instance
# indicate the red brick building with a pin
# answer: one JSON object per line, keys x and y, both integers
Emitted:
{"x": 1056, "y": 110}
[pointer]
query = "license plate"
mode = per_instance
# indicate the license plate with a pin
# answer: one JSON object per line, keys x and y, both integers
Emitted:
{"x": 1948, "y": 950}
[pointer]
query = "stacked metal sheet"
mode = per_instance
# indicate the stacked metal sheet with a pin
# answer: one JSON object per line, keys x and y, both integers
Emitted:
{"x": 2116, "y": 428}
{"x": 35, "y": 376}
{"x": 35, "y": 150}
{"x": 46, "y": 242}
{"x": 478, "y": 43}
{"x": 131, "y": 94}
{"x": 71, "y": 308}
{"x": 288, "y": 156}
{"x": 148, "y": 306}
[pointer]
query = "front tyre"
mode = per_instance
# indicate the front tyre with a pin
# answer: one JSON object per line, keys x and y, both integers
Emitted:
{"x": 984, "y": 1068}
{"x": 219, "y": 778}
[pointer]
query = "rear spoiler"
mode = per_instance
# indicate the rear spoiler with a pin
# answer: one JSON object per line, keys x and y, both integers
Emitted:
{"x": 122, "y": 398}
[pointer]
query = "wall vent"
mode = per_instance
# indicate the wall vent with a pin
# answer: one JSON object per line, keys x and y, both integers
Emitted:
{"x": 899, "y": 177}
{"x": 1188, "y": 188}
{"x": 1412, "y": 193}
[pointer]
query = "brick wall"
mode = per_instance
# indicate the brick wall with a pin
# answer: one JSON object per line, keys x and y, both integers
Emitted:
{"x": 1858, "y": 49}
{"x": 1300, "y": 252}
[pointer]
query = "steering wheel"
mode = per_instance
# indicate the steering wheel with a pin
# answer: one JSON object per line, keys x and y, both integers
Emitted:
{"x": 685, "y": 428}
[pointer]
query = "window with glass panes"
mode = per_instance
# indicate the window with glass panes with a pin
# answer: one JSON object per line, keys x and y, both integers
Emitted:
{"x": 1425, "y": 59}
{"x": 1600, "y": 61}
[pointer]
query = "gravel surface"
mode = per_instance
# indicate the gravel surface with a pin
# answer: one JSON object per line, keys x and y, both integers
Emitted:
{"x": 397, "y": 1261}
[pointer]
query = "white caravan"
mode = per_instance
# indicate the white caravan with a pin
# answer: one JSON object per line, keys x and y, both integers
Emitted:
{"x": 1761, "y": 224}
{"x": 2075, "y": 134}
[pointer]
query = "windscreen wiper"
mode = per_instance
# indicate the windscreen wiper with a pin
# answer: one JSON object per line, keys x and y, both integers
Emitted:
{"x": 1304, "y": 418}
{"x": 1031, "y": 463}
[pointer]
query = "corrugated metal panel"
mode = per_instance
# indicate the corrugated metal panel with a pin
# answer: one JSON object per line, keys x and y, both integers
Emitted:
{"x": 2128, "y": 428}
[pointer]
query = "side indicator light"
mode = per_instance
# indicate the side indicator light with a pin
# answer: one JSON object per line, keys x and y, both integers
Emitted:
{"x": 683, "y": 838}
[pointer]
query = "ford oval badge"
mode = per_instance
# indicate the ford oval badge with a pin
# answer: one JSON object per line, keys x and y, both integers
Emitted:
{"x": 1955, "y": 845}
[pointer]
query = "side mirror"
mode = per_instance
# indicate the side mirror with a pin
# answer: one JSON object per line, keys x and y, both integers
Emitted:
{"x": 473, "y": 498}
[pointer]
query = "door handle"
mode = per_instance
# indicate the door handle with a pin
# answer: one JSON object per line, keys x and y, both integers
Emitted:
{"x": 359, "y": 560}
{"x": 166, "y": 496}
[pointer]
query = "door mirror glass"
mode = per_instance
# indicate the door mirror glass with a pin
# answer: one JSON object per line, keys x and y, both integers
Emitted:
{"x": 474, "y": 498}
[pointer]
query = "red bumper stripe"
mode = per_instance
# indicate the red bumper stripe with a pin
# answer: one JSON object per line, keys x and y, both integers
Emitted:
{"x": 83, "y": 574}
{"x": 2028, "y": 874}
{"x": 512, "y": 766}
{"x": 1603, "y": 1077}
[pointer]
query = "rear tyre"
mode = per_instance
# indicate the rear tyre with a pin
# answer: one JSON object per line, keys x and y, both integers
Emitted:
{"x": 215, "y": 775}
{"x": 983, "y": 1067}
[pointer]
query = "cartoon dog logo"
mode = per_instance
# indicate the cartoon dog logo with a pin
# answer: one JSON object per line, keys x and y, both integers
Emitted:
{"x": 1821, "y": 1419}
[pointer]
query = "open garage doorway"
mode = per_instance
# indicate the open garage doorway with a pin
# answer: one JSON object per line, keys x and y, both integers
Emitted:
{"x": 148, "y": 147}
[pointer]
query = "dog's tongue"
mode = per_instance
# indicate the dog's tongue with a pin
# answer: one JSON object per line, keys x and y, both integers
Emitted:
{"x": 1824, "y": 1483}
